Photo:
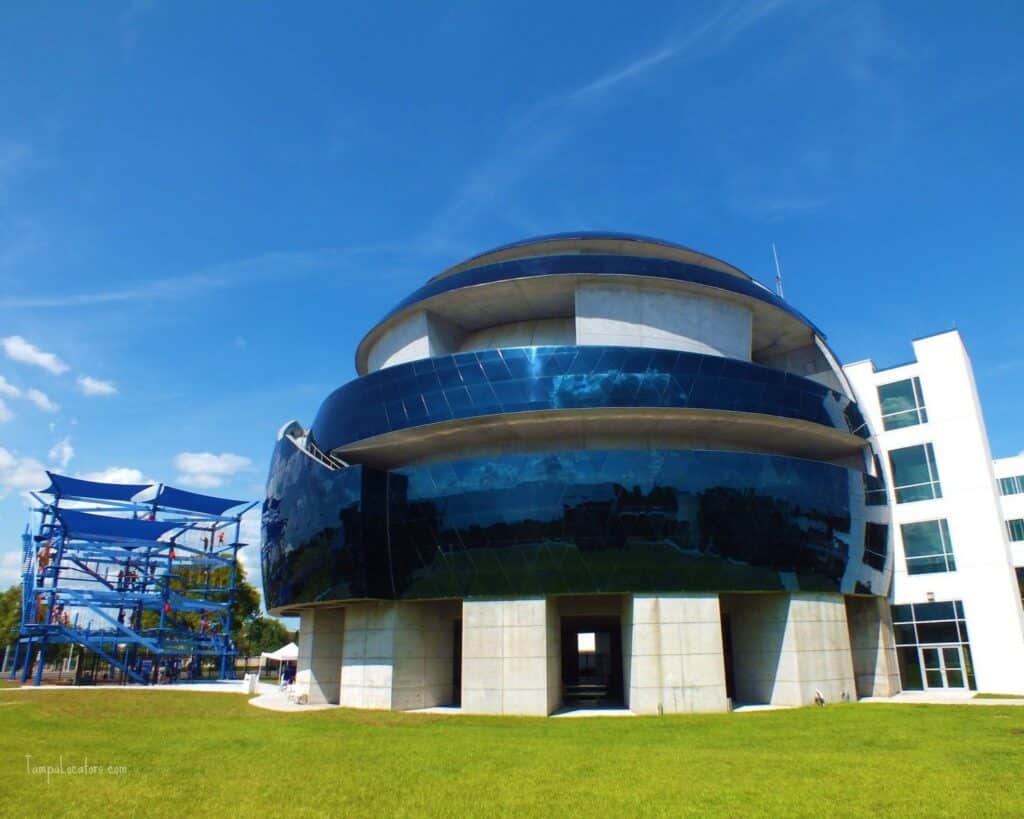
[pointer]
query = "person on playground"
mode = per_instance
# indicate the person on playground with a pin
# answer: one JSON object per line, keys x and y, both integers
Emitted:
{"x": 43, "y": 556}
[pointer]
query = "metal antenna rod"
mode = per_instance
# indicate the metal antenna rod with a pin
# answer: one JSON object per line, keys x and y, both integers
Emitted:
{"x": 778, "y": 272}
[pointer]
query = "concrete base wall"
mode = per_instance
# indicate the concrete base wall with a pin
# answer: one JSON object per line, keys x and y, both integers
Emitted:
{"x": 509, "y": 648}
{"x": 320, "y": 654}
{"x": 788, "y": 647}
{"x": 674, "y": 646}
{"x": 875, "y": 667}
{"x": 785, "y": 648}
{"x": 398, "y": 656}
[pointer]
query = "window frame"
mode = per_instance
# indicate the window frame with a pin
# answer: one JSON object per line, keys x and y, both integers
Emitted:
{"x": 1012, "y": 485}
{"x": 919, "y": 410}
{"x": 934, "y": 482}
{"x": 946, "y": 556}
{"x": 1010, "y": 527}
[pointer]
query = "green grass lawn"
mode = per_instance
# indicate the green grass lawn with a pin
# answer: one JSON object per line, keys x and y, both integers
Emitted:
{"x": 190, "y": 754}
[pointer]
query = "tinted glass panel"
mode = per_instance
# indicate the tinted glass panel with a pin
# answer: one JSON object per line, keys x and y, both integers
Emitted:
{"x": 910, "y": 669}
{"x": 934, "y": 611}
{"x": 902, "y": 404}
{"x": 927, "y": 547}
{"x": 489, "y": 382}
{"x": 914, "y": 473}
{"x": 876, "y": 544}
{"x": 1011, "y": 486}
{"x": 937, "y": 633}
{"x": 561, "y": 522}
{"x": 905, "y": 634}
{"x": 1015, "y": 529}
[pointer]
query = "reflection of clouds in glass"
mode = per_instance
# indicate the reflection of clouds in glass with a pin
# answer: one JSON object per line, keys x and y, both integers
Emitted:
{"x": 467, "y": 385}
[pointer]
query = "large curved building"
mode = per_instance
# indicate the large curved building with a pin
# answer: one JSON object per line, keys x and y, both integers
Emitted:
{"x": 585, "y": 469}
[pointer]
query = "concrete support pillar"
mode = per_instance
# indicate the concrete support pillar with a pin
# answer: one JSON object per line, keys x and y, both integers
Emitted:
{"x": 321, "y": 635}
{"x": 787, "y": 647}
{"x": 674, "y": 651}
{"x": 510, "y": 657}
{"x": 875, "y": 667}
{"x": 398, "y": 656}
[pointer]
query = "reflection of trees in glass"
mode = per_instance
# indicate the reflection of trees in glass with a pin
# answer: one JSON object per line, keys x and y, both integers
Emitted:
{"x": 556, "y": 522}
{"x": 762, "y": 530}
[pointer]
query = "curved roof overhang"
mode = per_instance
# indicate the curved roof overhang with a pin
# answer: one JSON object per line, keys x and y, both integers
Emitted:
{"x": 623, "y": 244}
{"x": 607, "y": 428}
{"x": 544, "y": 287}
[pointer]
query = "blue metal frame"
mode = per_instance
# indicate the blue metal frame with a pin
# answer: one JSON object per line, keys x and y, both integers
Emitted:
{"x": 93, "y": 591}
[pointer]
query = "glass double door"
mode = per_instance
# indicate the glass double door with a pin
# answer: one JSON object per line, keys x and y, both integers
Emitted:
{"x": 943, "y": 666}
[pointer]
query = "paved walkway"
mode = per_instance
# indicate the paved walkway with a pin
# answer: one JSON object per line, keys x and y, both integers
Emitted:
{"x": 942, "y": 698}
{"x": 208, "y": 686}
{"x": 277, "y": 700}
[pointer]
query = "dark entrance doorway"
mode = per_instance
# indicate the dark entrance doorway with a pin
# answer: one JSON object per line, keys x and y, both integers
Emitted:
{"x": 591, "y": 661}
{"x": 457, "y": 663}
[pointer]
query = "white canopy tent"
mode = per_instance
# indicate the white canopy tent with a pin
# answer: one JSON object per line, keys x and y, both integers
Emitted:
{"x": 285, "y": 654}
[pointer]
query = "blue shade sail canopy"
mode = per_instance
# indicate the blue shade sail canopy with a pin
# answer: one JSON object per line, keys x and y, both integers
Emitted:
{"x": 172, "y": 498}
{"x": 86, "y": 526}
{"x": 530, "y": 379}
{"x": 62, "y": 486}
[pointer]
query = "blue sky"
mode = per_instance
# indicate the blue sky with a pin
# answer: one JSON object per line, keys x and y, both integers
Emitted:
{"x": 203, "y": 210}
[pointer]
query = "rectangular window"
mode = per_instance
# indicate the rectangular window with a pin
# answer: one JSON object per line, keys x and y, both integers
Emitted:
{"x": 1015, "y": 528}
{"x": 876, "y": 545}
{"x": 914, "y": 474}
{"x": 1011, "y": 486}
{"x": 927, "y": 547}
{"x": 902, "y": 404}
{"x": 874, "y": 491}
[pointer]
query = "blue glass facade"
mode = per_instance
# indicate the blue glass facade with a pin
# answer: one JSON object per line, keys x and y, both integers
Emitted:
{"x": 564, "y": 522}
{"x": 577, "y": 521}
{"x": 523, "y": 379}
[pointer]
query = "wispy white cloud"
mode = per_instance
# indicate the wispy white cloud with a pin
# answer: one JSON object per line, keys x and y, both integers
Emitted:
{"x": 15, "y": 158}
{"x": 550, "y": 123}
{"x": 20, "y": 474}
{"x": 205, "y": 470}
{"x": 5, "y": 413}
{"x": 18, "y": 349}
{"x": 37, "y": 397}
{"x": 777, "y": 208}
{"x": 7, "y": 389}
{"x": 20, "y": 237}
{"x": 267, "y": 266}
{"x": 116, "y": 474}
{"x": 10, "y": 566}
{"x": 62, "y": 452}
{"x": 130, "y": 23}
{"x": 41, "y": 400}
{"x": 94, "y": 386}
